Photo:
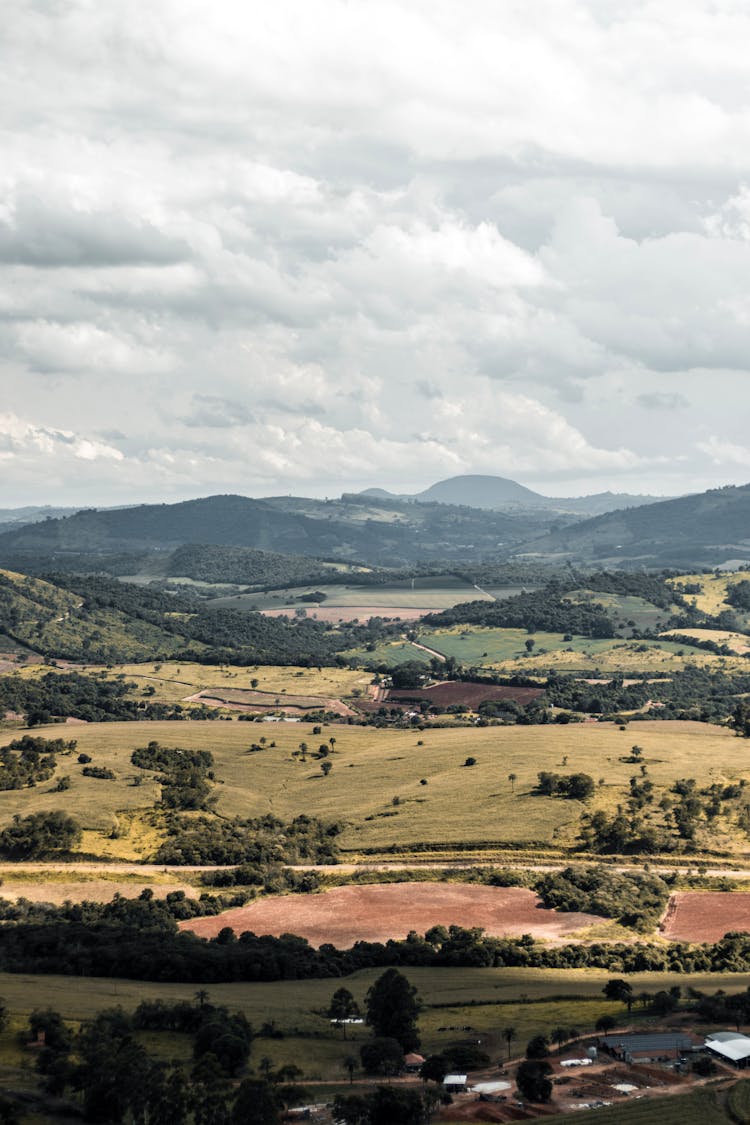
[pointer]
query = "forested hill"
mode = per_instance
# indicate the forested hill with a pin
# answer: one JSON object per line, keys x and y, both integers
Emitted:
{"x": 709, "y": 527}
{"x": 232, "y": 520}
{"x": 100, "y": 620}
{"x": 352, "y": 528}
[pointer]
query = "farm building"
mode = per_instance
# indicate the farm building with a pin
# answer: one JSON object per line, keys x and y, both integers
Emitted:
{"x": 454, "y": 1083}
{"x": 730, "y": 1046}
{"x": 659, "y": 1046}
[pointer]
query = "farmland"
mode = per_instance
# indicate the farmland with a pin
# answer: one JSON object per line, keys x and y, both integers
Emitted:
{"x": 705, "y": 915}
{"x": 458, "y": 805}
{"x": 377, "y": 913}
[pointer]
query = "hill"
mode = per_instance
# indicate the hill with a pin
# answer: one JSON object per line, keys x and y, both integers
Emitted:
{"x": 384, "y": 532}
{"x": 710, "y": 528}
{"x": 480, "y": 492}
{"x": 498, "y": 493}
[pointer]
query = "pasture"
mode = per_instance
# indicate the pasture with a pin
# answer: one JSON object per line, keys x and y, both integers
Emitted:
{"x": 428, "y": 595}
{"x": 505, "y": 649}
{"x": 175, "y": 682}
{"x": 453, "y": 1000}
{"x": 375, "y": 786}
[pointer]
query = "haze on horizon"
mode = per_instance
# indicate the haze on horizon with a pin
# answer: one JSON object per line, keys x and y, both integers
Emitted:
{"x": 318, "y": 248}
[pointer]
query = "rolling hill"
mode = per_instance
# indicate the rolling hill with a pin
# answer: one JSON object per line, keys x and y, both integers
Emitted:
{"x": 710, "y": 527}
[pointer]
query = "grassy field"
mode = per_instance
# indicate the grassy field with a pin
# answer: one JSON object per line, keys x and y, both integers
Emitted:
{"x": 702, "y": 1107}
{"x": 505, "y": 649}
{"x": 371, "y": 767}
{"x": 714, "y": 587}
{"x": 432, "y": 594}
{"x": 533, "y": 1001}
{"x": 173, "y": 682}
{"x": 737, "y": 642}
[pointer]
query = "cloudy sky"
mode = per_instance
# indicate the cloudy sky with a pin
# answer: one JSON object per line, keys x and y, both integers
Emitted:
{"x": 314, "y": 245}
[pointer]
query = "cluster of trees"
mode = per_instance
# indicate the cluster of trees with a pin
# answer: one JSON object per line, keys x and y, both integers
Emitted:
{"x": 635, "y": 900}
{"x": 28, "y": 760}
{"x": 39, "y": 835}
{"x": 116, "y": 1079}
{"x": 78, "y": 696}
{"x": 573, "y": 786}
{"x": 185, "y": 775}
{"x": 386, "y": 1105}
{"x": 258, "y": 841}
{"x": 547, "y": 610}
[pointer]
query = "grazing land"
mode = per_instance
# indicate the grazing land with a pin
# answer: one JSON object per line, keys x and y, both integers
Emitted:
{"x": 705, "y": 915}
{"x": 375, "y": 784}
{"x": 345, "y": 915}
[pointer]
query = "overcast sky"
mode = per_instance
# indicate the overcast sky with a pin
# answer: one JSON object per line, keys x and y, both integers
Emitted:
{"x": 313, "y": 245}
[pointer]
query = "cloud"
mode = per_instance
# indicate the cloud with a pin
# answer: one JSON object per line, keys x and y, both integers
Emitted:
{"x": 663, "y": 400}
{"x": 214, "y": 412}
{"x": 394, "y": 244}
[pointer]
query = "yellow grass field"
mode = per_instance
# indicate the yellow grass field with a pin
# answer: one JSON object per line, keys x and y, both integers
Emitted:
{"x": 174, "y": 682}
{"x": 737, "y": 642}
{"x": 712, "y": 598}
{"x": 375, "y": 784}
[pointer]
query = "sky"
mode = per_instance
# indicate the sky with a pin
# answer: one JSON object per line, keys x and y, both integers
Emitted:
{"x": 319, "y": 245}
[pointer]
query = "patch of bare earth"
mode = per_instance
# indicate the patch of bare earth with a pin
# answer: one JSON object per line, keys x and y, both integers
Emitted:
{"x": 379, "y": 912}
{"x": 705, "y": 915}
{"x": 95, "y": 890}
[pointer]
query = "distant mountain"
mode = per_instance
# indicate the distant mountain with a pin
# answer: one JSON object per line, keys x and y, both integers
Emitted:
{"x": 499, "y": 493}
{"x": 709, "y": 527}
{"x": 480, "y": 492}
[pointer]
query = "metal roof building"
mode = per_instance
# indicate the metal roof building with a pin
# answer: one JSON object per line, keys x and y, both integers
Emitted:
{"x": 653, "y": 1046}
{"x": 730, "y": 1046}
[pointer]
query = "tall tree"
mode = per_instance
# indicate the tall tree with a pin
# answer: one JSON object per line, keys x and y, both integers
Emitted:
{"x": 392, "y": 1009}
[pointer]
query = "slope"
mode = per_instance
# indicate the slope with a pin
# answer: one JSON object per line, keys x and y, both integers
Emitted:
{"x": 709, "y": 527}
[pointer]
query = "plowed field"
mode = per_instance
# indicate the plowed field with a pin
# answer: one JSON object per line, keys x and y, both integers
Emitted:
{"x": 705, "y": 915}
{"x": 379, "y": 912}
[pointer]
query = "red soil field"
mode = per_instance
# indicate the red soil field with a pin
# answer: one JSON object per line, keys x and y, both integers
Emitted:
{"x": 390, "y": 910}
{"x": 705, "y": 915}
{"x": 470, "y": 695}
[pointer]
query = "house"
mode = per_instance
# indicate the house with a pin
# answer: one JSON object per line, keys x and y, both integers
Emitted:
{"x": 454, "y": 1083}
{"x": 413, "y": 1062}
{"x": 730, "y": 1046}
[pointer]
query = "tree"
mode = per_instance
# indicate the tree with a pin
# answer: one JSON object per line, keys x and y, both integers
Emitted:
{"x": 434, "y": 1068}
{"x": 616, "y": 989}
{"x": 256, "y": 1104}
{"x": 343, "y": 1006}
{"x": 383, "y": 1055}
{"x": 532, "y": 1080}
{"x": 529, "y": 644}
{"x": 512, "y": 778}
{"x": 605, "y": 1023}
{"x": 537, "y": 1047}
{"x": 559, "y": 1036}
{"x": 325, "y": 768}
{"x": 349, "y": 1064}
{"x": 509, "y": 1034}
{"x": 410, "y": 674}
{"x": 392, "y": 1009}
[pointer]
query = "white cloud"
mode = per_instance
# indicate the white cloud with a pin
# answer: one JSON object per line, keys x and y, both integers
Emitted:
{"x": 376, "y": 242}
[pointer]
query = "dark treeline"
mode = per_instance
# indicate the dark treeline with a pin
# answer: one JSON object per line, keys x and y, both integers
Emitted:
{"x": 137, "y": 939}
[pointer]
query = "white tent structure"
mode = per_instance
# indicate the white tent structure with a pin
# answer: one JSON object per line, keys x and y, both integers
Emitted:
{"x": 730, "y": 1046}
